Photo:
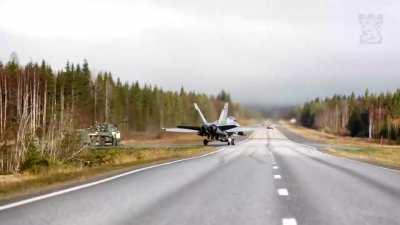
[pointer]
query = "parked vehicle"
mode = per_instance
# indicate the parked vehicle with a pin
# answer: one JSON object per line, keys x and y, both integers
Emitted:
{"x": 104, "y": 134}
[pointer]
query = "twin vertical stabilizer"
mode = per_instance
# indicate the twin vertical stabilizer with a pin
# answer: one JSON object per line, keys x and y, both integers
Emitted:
{"x": 222, "y": 117}
{"x": 203, "y": 119}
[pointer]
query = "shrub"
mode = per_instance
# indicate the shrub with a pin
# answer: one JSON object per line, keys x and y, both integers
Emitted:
{"x": 69, "y": 144}
{"x": 34, "y": 161}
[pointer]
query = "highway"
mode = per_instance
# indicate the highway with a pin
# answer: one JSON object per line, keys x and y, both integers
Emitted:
{"x": 266, "y": 179}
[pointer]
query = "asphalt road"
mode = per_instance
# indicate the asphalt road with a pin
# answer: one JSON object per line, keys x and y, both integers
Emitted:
{"x": 266, "y": 179}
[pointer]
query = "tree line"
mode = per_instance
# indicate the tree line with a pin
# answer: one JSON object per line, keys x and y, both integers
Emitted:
{"x": 40, "y": 109}
{"x": 369, "y": 115}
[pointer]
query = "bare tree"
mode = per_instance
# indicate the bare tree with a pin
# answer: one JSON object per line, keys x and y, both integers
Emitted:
{"x": 106, "y": 100}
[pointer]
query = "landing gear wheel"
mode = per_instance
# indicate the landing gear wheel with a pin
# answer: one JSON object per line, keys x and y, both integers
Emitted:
{"x": 102, "y": 141}
{"x": 205, "y": 142}
{"x": 233, "y": 142}
{"x": 229, "y": 141}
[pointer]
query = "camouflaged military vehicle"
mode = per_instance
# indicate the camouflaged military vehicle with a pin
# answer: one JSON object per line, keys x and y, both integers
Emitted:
{"x": 104, "y": 134}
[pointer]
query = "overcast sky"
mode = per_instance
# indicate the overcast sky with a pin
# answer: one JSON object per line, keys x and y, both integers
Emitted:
{"x": 262, "y": 51}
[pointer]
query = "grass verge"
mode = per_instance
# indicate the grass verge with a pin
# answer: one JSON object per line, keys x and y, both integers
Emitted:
{"x": 360, "y": 149}
{"x": 91, "y": 164}
{"x": 327, "y": 138}
{"x": 379, "y": 156}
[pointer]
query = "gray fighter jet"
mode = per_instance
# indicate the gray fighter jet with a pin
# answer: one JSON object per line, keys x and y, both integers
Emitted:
{"x": 224, "y": 129}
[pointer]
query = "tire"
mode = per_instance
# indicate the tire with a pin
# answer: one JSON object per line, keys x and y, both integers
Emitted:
{"x": 229, "y": 141}
{"x": 205, "y": 142}
{"x": 102, "y": 141}
{"x": 233, "y": 142}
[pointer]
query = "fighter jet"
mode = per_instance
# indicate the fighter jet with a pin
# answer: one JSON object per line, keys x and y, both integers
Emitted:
{"x": 224, "y": 129}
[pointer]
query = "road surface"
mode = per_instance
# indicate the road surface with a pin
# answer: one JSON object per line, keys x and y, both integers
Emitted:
{"x": 266, "y": 179}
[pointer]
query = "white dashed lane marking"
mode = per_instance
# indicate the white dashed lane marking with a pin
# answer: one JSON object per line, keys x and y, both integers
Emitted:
{"x": 283, "y": 192}
{"x": 277, "y": 177}
{"x": 289, "y": 221}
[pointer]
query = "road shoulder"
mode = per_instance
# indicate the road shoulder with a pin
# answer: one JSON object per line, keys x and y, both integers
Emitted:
{"x": 30, "y": 189}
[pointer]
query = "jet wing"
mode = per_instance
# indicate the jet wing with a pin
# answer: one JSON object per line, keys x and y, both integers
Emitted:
{"x": 183, "y": 129}
{"x": 226, "y": 127}
{"x": 179, "y": 130}
{"x": 237, "y": 130}
{"x": 189, "y": 127}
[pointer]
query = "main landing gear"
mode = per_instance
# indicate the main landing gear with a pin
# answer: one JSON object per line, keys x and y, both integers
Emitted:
{"x": 231, "y": 141}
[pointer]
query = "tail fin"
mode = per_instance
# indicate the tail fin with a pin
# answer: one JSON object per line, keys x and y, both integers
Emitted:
{"x": 200, "y": 113}
{"x": 224, "y": 114}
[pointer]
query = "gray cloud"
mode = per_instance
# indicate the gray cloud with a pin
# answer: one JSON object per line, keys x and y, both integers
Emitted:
{"x": 272, "y": 52}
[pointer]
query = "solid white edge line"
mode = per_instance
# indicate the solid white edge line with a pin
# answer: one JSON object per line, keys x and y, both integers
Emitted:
{"x": 91, "y": 184}
{"x": 289, "y": 221}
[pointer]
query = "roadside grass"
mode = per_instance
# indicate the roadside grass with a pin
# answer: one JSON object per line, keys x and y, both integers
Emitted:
{"x": 308, "y": 133}
{"x": 328, "y": 138}
{"x": 386, "y": 157}
{"x": 361, "y": 149}
{"x": 162, "y": 138}
{"x": 90, "y": 164}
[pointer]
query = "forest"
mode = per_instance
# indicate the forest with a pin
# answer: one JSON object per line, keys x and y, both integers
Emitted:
{"x": 374, "y": 116}
{"x": 41, "y": 109}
